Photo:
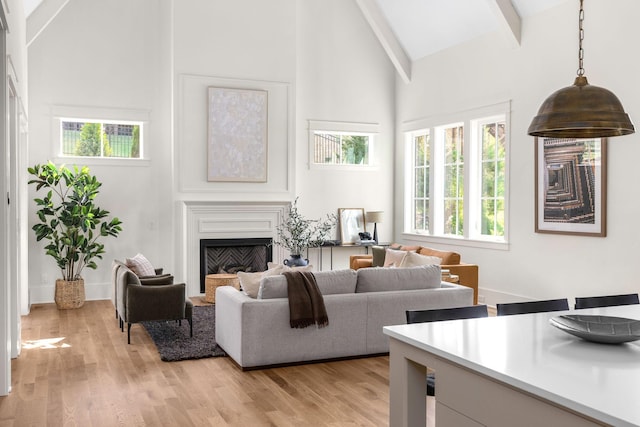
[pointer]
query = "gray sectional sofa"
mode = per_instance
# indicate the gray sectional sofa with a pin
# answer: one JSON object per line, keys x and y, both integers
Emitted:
{"x": 255, "y": 332}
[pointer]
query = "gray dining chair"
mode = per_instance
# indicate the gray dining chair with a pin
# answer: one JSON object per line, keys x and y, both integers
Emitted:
{"x": 442, "y": 314}
{"x": 507, "y": 309}
{"x": 606, "y": 301}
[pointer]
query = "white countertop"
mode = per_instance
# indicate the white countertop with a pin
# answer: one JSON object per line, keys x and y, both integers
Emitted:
{"x": 525, "y": 351}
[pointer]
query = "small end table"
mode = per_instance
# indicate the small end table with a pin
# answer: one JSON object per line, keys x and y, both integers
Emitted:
{"x": 212, "y": 281}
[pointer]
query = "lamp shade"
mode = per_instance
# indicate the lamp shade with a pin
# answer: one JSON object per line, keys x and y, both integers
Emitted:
{"x": 581, "y": 111}
{"x": 375, "y": 216}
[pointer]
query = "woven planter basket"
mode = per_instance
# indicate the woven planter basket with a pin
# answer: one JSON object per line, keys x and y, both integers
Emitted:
{"x": 69, "y": 294}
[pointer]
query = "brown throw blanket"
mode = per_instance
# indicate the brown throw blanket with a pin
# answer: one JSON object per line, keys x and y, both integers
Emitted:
{"x": 306, "y": 305}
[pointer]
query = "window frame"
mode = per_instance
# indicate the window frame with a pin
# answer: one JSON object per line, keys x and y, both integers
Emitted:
{"x": 472, "y": 121}
{"x": 103, "y": 116}
{"x": 371, "y": 130}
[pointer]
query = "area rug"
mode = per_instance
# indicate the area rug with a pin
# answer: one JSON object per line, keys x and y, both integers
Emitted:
{"x": 174, "y": 343}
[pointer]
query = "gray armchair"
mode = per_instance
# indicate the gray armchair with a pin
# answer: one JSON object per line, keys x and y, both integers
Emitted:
{"x": 138, "y": 302}
{"x": 160, "y": 278}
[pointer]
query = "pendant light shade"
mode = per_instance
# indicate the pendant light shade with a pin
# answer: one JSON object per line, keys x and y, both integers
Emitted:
{"x": 581, "y": 110}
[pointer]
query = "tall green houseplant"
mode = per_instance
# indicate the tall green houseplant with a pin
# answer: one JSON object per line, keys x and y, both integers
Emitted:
{"x": 72, "y": 224}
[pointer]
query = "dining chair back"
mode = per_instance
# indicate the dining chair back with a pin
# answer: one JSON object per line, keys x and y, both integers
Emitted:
{"x": 508, "y": 309}
{"x": 606, "y": 301}
{"x": 440, "y": 314}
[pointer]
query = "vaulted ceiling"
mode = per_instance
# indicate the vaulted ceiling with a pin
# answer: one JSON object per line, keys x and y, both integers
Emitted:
{"x": 408, "y": 29}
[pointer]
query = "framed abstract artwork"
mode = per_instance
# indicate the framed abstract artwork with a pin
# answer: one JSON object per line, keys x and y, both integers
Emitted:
{"x": 237, "y": 135}
{"x": 571, "y": 186}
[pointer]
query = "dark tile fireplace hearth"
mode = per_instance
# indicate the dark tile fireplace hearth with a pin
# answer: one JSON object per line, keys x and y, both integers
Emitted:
{"x": 233, "y": 255}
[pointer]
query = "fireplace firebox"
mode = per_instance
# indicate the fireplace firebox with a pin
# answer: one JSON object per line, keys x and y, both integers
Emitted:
{"x": 233, "y": 255}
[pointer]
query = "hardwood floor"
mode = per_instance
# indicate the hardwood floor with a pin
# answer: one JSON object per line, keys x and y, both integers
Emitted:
{"x": 76, "y": 369}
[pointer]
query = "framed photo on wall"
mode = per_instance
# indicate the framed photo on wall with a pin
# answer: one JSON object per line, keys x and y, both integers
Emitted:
{"x": 237, "y": 135}
{"x": 571, "y": 186}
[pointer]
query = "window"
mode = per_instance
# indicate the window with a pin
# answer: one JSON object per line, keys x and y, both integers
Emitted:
{"x": 335, "y": 148}
{"x": 458, "y": 179}
{"x": 92, "y": 138}
{"x": 341, "y": 145}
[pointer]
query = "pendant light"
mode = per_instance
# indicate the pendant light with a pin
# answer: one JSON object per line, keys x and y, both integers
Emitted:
{"x": 581, "y": 110}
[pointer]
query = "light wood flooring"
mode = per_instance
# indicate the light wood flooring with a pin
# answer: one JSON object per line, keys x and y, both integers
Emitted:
{"x": 76, "y": 369}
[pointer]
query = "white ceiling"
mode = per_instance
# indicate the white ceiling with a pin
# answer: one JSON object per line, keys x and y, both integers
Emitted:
{"x": 423, "y": 27}
{"x": 420, "y": 27}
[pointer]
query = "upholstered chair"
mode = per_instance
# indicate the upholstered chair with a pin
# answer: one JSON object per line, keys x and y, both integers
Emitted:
{"x": 138, "y": 302}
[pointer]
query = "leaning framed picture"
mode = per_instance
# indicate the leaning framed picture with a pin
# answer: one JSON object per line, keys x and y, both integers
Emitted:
{"x": 352, "y": 223}
{"x": 571, "y": 186}
{"x": 237, "y": 135}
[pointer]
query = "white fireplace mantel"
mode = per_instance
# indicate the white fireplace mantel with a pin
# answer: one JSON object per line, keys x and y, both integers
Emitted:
{"x": 224, "y": 220}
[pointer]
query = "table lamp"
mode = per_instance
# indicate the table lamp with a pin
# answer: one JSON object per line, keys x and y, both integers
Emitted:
{"x": 375, "y": 217}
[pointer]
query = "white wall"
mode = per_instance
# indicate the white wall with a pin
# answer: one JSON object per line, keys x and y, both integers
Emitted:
{"x": 486, "y": 71}
{"x": 343, "y": 75}
{"x": 318, "y": 60}
{"x": 98, "y": 54}
{"x": 14, "y": 162}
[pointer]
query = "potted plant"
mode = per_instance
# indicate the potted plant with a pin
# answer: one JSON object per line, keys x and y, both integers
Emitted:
{"x": 73, "y": 225}
{"x": 297, "y": 234}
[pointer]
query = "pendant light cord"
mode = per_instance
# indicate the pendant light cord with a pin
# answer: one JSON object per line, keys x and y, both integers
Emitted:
{"x": 581, "y": 38}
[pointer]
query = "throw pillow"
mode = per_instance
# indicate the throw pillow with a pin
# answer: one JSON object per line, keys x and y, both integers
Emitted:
{"x": 140, "y": 266}
{"x": 378, "y": 254}
{"x": 413, "y": 259}
{"x": 250, "y": 282}
{"x": 393, "y": 258}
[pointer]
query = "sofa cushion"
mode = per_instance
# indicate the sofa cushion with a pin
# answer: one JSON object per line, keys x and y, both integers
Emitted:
{"x": 393, "y": 258}
{"x": 378, "y": 279}
{"x": 329, "y": 283}
{"x": 413, "y": 259}
{"x": 448, "y": 257}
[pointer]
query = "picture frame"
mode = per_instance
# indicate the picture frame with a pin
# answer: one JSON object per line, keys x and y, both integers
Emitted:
{"x": 237, "y": 135}
{"x": 351, "y": 221}
{"x": 571, "y": 186}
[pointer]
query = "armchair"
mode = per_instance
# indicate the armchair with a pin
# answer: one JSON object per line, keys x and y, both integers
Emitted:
{"x": 467, "y": 273}
{"x": 158, "y": 279}
{"x": 138, "y": 302}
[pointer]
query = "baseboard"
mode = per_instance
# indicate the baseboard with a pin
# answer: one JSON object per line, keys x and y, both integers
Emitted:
{"x": 92, "y": 292}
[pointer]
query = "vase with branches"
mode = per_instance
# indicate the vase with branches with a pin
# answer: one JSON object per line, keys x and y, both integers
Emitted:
{"x": 296, "y": 233}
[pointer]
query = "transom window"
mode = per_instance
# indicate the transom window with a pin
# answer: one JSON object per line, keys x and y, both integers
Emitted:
{"x": 341, "y": 144}
{"x": 458, "y": 178}
{"x": 336, "y": 148}
{"x": 95, "y": 138}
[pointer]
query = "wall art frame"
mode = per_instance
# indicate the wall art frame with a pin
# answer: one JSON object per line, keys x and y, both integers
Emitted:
{"x": 571, "y": 186}
{"x": 351, "y": 222}
{"x": 237, "y": 135}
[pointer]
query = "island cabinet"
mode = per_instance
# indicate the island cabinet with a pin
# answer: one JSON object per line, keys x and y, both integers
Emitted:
{"x": 513, "y": 371}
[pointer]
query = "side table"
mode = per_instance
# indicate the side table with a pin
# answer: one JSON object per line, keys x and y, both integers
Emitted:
{"x": 212, "y": 281}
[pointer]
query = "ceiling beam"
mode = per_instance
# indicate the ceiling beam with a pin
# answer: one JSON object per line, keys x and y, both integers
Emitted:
{"x": 42, "y": 16}
{"x": 508, "y": 19}
{"x": 387, "y": 38}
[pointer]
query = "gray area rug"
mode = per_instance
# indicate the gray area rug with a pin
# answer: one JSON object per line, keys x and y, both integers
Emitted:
{"x": 174, "y": 343}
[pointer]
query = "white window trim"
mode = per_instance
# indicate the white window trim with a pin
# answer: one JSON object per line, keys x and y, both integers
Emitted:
{"x": 432, "y": 123}
{"x": 353, "y": 128}
{"x": 103, "y": 115}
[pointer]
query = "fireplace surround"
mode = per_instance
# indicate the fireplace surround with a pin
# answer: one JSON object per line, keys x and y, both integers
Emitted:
{"x": 228, "y": 220}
